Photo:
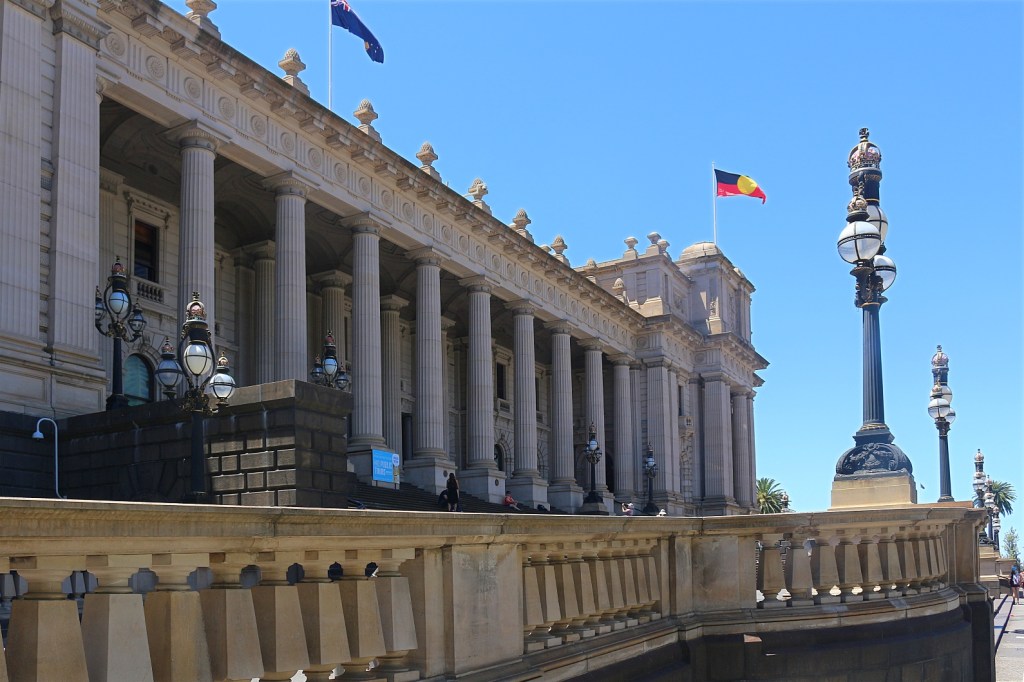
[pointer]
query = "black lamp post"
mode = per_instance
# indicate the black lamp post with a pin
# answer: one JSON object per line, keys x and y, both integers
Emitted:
{"x": 650, "y": 470}
{"x": 329, "y": 372}
{"x": 195, "y": 354}
{"x": 979, "y": 485}
{"x": 592, "y": 452}
{"x": 939, "y": 409}
{"x": 862, "y": 244}
{"x": 123, "y": 322}
{"x": 990, "y": 506}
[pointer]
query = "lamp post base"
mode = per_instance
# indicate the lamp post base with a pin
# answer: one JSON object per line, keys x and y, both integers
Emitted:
{"x": 116, "y": 402}
{"x": 594, "y": 508}
{"x": 651, "y": 509}
{"x": 873, "y": 490}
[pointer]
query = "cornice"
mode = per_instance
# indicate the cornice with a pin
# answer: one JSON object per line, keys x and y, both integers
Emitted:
{"x": 73, "y": 17}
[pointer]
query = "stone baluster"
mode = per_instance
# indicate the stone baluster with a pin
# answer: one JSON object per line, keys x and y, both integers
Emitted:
{"x": 548, "y": 592}
{"x": 607, "y": 574}
{"x": 567, "y": 628}
{"x": 908, "y": 565}
{"x": 851, "y": 578}
{"x": 583, "y": 587}
{"x": 229, "y": 616}
{"x": 643, "y": 592}
{"x": 44, "y": 640}
{"x": 323, "y": 617}
{"x": 938, "y": 545}
{"x": 890, "y": 560}
{"x": 825, "y": 569}
{"x": 799, "y": 581}
{"x": 654, "y": 586}
{"x": 396, "y": 617}
{"x": 599, "y": 593}
{"x": 114, "y": 623}
{"x": 282, "y": 634}
{"x": 924, "y": 564}
{"x": 362, "y": 618}
{"x": 872, "y": 562}
{"x": 535, "y": 632}
{"x": 773, "y": 580}
{"x": 174, "y": 621}
{"x": 630, "y": 601}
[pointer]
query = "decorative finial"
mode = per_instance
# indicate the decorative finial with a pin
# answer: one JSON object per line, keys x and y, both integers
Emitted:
{"x": 940, "y": 359}
{"x": 366, "y": 116}
{"x": 520, "y": 222}
{"x": 195, "y": 309}
{"x": 558, "y": 246}
{"x": 631, "y": 243}
{"x": 478, "y": 190}
{"x": 292, "y": 65}
{"x": 427, "y": 157}
{"x": 199, "y": 9}
{"x": 865, "y": 154}
{"x": 864, "y": 134}
{"x": 654, "y": 237}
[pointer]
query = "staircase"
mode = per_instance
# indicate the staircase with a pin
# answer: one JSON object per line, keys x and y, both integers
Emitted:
{"x": 410, "y": 498}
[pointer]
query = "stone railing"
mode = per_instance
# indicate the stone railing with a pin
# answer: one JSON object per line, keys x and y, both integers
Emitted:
{"x": 178, "y": 592}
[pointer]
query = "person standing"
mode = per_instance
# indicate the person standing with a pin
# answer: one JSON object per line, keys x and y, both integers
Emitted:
{"x": 1015, "y": 581}
{"x": 452, "y": 488}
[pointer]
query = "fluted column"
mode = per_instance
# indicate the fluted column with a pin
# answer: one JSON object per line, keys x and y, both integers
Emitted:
{"x": 263, "y": 255}
{"x": 290, "y": 361}
{"x": 743, "y": 484}
{"x": 198, "y": 144}
{"x": 391, "y": 369}
{"x": 594, "y": 405}
{"x": 525, "y": 388}
{"x": 481, "y": 375}
{"x": 659, "y": 405}
{"x": 245, "y": 297}
{"x": 21, "y": 63}
{"x": 430, "y": 403}
{"x": 332, "y": 301}
{"x": 673, "y": 481}
{"x": 564, "y": 492}
{"x": 718, "y": 469}
{"x": 625, "y": 455}
{"x": 367, "y": 403}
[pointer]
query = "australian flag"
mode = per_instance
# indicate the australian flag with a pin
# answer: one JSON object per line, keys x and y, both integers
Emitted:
{"x": 343, "y": 16}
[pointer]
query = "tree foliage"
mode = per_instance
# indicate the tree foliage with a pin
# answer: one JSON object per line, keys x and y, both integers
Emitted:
{"x": 1010, "y": 549}
{"x": 1005, "y": 496}
{"x": 769, "y": 496}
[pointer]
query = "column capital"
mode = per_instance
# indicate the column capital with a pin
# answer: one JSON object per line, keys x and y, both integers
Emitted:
{"x": 426, "y": 255}
{"x": 713, "y": 376}
{"x": 74, "y": 19}
{"x": 621, "y": 359}
{"x": 742, "y": 391}
{"x": 522, "y": 306}
{"x": 446, "y": 324}
{"x": 265, "y": 250}
{"x": 198, "y": 133}
{"x": 477, "y": 283}
{"x": 335, "y": 279}
{"x": 36, "y": 7}
{"x": 392, "y": 303}
{"x": 592, "y": 344}
{"x": 363, "y": 223}
{"x": 290, "y": 183}
{"x": 559, "y": 326}
{"x": 656, "y": 363}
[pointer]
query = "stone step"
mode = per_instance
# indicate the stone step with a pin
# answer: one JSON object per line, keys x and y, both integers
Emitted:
{"x": 410, "y": 498}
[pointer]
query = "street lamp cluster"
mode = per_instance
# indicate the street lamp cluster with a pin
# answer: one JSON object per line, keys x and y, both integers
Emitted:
{"x": 202, "y": 380}
{"x": 329, "y": 372}
{"x": 650, "y": 470}
{"x": 118, "y": 317}
{"x": 592, "y": 451}
{"x": 862, "y": 244}
{"x": 940, "y": 410}
{"x": 985, "y": 498}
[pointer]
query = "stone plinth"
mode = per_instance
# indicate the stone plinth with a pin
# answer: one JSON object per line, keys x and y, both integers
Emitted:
{"x": 874, "y": 491}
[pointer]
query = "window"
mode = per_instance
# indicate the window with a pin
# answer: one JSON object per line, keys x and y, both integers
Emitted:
{"x": 501, "y": 388}
{"x": 138, "y": 381}
{"x": 146, "y": 251}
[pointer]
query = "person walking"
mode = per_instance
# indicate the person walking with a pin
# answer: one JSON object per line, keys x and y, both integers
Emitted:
{"x": 1015, "y": 582}
{"x": 452, "y": 488}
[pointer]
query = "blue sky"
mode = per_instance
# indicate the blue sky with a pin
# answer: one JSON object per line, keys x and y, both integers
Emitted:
{"x": 602, "y": 120}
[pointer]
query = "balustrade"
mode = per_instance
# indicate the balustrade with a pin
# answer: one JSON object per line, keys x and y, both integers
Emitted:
{"x": 263, "y": 593}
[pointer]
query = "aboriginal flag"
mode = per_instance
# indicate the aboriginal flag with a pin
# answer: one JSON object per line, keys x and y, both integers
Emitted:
{"x": 730, "y": 185}
{"x": 342, "y": 15}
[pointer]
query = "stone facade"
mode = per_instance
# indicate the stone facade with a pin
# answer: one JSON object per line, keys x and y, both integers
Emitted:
{"x": 133, "y": 132}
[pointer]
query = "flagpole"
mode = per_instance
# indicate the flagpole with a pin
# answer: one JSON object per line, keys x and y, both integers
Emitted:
{"x": 714, "y": 203}
{"x": 330, "y": 58}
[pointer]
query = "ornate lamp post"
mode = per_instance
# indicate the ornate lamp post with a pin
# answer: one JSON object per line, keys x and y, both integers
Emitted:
{"x": 121, "y": 319}
{"x": 979, "y": 480}
{"x": 862, "y": 244}
{"x": 592, "y": 451}
{"x": 650, "y": 470}
{"x": 330, "y": 372}
{"x": 939, "y": 409}
{"x": 195, "y": 354}
{"x": 990, "y": 506}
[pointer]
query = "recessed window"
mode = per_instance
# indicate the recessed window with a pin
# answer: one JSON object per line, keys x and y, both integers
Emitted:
{"x": 146, "y": 251}
{"x": 502, "y": 383}
{"x": 138, "y": 381}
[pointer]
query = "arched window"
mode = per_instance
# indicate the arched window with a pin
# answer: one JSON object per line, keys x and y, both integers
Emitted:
{"x": 138, "y": 380}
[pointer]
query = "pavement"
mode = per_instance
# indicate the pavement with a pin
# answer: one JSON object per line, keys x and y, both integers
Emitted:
{"x": 1009, "y": 632}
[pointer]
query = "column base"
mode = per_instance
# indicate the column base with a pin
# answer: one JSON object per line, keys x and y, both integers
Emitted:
{"x": 529, "y": 490}
{"x": 487, "y": 483}
{"x": 567, "y": 497}
{"x": 872, "y": 491}
{"x": 429, "y": 473}
{"x": 360, "y": 458}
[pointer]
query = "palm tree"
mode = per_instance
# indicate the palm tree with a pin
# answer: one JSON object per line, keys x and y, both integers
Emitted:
{"x": 769, "y": 496}
{"x": 1005, "y": 496}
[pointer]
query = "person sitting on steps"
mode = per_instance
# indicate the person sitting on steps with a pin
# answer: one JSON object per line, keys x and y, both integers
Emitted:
{"x": 511, "y": 502}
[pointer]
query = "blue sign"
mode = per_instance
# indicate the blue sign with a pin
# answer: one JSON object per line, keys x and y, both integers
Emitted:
{"x": 385, "y": 466}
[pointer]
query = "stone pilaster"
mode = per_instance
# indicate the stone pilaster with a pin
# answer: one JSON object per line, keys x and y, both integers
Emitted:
{"x": 673, "y": 479}
{"x": 594, "y": 405}
{"x": 718, "y": 465}
{"x": 391, "y": 369}
{"x": 263, "y": 255}
{"x": 526, "y": 484}
{"x": 563, "y": 492}
{"x": 367, "y": 407}
{"x": 290, "y": 328}
{"x": 743, "y": 484}
{"x": 477, "y": 479}
{"x": 198, "y": 143}
{"x": 332, "y": 300}
{"x": 659, "y": 406}
{"x": 625, "y": 456}
{"x": 245, "y": 297}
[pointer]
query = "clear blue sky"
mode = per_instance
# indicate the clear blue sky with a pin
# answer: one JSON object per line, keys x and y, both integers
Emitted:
{"x": 602, "y": 120}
